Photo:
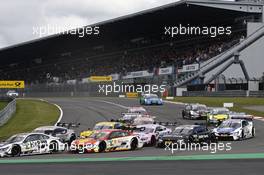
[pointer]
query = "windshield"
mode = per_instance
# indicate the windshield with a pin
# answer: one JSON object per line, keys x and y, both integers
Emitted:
{"x": 215, "y": 112}
{"x": 182, "y": 130}
{"x": 99, "y": 135}
{"x": 144, "y": 130}
{"x": 16, "y": 138}
{"x": 48, "y": 132}
{"x": 101, "y": 127}
{"x": 229, "y": 125}
{"x": 152, "y": 96}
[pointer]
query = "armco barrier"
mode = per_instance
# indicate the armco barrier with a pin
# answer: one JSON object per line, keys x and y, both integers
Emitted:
{"x": 7, "y": 112}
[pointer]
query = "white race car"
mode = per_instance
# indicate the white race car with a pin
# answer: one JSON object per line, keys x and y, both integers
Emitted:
{"x": 238, "y": 127}
{"x": 30, "y": 144}
{"x": 12, "y": 93}
{"x": 136, "y": 119}
{"x": 149, "y": 133}
{"x": 139, "y": 110}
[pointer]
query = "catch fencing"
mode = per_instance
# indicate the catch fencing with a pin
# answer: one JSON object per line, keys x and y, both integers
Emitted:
{"x": 8, "y": 111}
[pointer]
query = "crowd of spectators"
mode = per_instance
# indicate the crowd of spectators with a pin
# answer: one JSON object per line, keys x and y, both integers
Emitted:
{"x": 174, "y": 54}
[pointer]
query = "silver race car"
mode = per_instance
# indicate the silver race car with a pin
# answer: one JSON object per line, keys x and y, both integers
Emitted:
{"x": 30, "y": 144}
{"x": 65, "y": 134}
{"x": 238, "y": 127}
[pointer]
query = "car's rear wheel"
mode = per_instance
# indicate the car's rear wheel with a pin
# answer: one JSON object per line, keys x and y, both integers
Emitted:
{"x": 102, "y": 147}
{"x": 53, "y": 147}
{"x": 16, "y": 151}
{"x": 72, "y": 138}
{"x": 153, "y": 141}
{"x": 134, "y": 144}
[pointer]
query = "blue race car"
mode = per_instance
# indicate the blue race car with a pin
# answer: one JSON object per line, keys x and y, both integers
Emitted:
{"x": 150, "y": 99}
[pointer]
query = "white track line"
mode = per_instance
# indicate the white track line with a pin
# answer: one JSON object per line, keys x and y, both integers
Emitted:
{"x": 61, "y": 111}
{"x": 61, "y": 114}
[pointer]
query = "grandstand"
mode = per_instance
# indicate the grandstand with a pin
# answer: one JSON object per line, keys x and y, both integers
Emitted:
{"x": 138, "y": 43}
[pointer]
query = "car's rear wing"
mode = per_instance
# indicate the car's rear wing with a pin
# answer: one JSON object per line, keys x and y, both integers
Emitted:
{"x": 241, "y": 116}
{"x": 166, "y": 123}
{"x": 68, "y": 125}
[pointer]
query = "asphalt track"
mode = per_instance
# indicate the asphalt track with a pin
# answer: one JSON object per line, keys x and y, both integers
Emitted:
{"x": 89, "y": 111}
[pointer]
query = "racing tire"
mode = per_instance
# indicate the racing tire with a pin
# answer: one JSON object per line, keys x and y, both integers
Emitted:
{"x": 153, "y": 141}
{"x": 191, "y": 139}
{"x": 253, "y": 132}
{"x": 53, "y": 147}
{"x": 213, "y": 139}
{"x": 16, "y": 151}
{"x": 242, "y": 136}
{"x": 183, "y": 115}
{"x": 134, "y": 144}
{"x": 102, "y": 147}
{"x": 72, "y": 138}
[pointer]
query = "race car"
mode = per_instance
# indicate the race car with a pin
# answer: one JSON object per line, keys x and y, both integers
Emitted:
{"x": 30, "y": 144}
{"x": 12, "y": 93}
{"x": 186, "y": 134}
{"x": 139, "y": 110}
{"x": 106, "y": 141}
{"x": 238, "y": 127}
{"x": 103, "y": 125}
{"x": 194, "y": 111}
{"x": 150, "y": 99}
{"x": 149, "y": 133}
{"x": 65, "y": 134}
{"x": 134, "y": 119}
{"x": 217, "y": 115}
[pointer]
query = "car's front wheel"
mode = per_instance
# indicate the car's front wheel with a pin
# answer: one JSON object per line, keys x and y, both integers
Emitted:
{"x": 102, "y": 147}
{"x": 16, "y": 151}
{"x": 134, "y": 144}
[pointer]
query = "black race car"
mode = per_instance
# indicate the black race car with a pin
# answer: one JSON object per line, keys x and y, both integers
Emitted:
{"x": 186, "y": 134}
{"x": 194, "y": 111}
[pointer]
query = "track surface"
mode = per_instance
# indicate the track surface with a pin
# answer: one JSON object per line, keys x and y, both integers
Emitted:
{"x": 89, "y": 111}
{"x": 219, "y": 167}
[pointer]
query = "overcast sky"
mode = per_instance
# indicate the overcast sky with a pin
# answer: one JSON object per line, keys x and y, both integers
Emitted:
{"x": 19, "y": 17}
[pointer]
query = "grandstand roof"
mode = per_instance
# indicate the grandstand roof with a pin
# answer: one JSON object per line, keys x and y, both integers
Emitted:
{"x": 193, "y": 11}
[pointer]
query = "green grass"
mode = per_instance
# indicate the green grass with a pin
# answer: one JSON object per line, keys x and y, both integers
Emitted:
{"x": 3, "y": 104}
{"x": 29, "y": 115}
{"x": 239, "y": 103}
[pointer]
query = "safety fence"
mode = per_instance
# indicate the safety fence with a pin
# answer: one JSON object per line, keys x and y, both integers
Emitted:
{"x": 8, "y": 111}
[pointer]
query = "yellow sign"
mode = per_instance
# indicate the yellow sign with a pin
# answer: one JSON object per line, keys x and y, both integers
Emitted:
{"x": 131, "y": 95}
{"x": 12, "y": 84}
{"x": 100, "y": 78}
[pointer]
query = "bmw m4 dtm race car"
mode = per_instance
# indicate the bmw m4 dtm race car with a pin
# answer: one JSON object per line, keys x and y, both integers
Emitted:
{"x": 138, "y": 110}
{"x": 134, "y": 119}
{"x": 65, "y": 134}
{"x": 149, "y": 133}
{"x": 186, "y": 134}
{"x": 30, "y": 144}
{"x": 238, "y": 127}
{"x": 106, "y": 141}
{"x": 217, "y": 115}
{"x": 195, "y": 111}
{"x": 150, "y": 99}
